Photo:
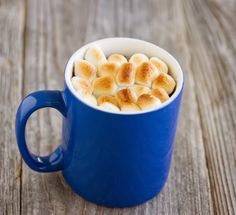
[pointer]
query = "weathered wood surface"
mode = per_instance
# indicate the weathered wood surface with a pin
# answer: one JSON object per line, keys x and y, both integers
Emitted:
{"x": 11, "y": 59}
{"x": 37, "y": 38}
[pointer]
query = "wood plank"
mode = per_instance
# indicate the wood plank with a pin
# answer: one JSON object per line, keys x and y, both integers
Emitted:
{"x": 187, "y": 191}
{"x": 41, "y": 69}
{"x": 52, "y": 36}
{"x": 11, "y": 62}
{"x": 213, "y": 43}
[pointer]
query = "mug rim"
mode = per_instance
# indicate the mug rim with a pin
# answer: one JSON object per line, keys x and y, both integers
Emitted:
{"x": 94, "y": 43}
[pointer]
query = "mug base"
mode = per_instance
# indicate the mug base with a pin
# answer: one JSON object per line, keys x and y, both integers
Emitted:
{"x": 118, "y": 205}
{"x": 115, "y": 204}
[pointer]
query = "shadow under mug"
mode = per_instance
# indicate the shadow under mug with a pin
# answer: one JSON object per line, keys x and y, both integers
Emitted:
{"x": 112, "y": 159}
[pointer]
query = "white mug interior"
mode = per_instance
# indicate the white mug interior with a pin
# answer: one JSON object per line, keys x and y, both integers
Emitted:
{"x": 127, "y": 47}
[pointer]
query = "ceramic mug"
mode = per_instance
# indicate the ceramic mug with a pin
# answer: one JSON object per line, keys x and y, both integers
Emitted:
{"x": 112, "y": 159}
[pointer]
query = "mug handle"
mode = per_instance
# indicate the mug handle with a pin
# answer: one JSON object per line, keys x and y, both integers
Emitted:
{"x": 32, "y": 102}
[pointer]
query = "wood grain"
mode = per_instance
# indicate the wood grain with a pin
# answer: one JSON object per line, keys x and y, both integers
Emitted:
{"x": 213, "y": 65}
{"x": 11, "y": 64}
{"x": 200, "y": 33}
{"x": 188, "y": 180}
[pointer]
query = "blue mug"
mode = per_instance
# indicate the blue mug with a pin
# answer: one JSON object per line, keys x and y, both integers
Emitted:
{"x": 111, "y": 159}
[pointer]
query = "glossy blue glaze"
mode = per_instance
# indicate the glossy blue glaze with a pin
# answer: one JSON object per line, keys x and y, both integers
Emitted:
{"x": 117, "y": 160}
{"x": 31, "y": 103}
{"x": 109, "y": 159}
{"x": 112, "y": 159}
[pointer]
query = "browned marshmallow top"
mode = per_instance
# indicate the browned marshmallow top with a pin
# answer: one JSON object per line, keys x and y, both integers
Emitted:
{"x": 117, "y": 84}
{"x": 145, "y": 73}
{"x": 110, "y": 99}
{"x": 82, "y": 86}
{"x": 147, "y": 101}
{"x": 85, "y": 70}
{"x": 140, "y": 89}
{"x": 95, "y": 56}
{"x": 130, "y": 108}
{"x": 160, "y": 93}
{"x": 105, "y": 85}
{"x": 108, "y": 69}
{"x": 164, "y": 81}
{"x": 126, "y": 75}
{"x": 117, "y": 59}
{"x": 125, "y": 96}
{"x": 159, "y": 64}
{"x": 137, "y": 59}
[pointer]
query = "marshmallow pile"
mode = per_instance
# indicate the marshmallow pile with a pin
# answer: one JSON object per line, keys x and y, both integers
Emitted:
{"x": 117, "y": 84}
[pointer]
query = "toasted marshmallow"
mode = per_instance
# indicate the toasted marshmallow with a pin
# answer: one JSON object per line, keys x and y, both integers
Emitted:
{"x": 146, "y": 72}
{"x": 137, "y": 59}
{"x": 110, "y": 99}
{"x": 160, "y": 93}
{"x": 82, "y": 86}
{"x": 147, "y": 101}
{"x": 139, "y": 90}
{"x": 125, "y": 96}
{"x": 90, "y": 99}
{"x": 164, "y": 81}
{"x": 117, "y": 59}
{"x": 126, "y": 75}
{"x": 130, "y": 108}
{"x": 104, "y": 86}
{"x": 109, "y": 107}
{"x": 85, "y": 70}
{"x": 95, "y": 56}
{"x": 159, "y": 64}
{"x": 108, "y": 69}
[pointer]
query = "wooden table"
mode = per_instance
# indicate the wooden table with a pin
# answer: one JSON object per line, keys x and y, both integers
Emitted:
{"x": 37, "y": 38}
